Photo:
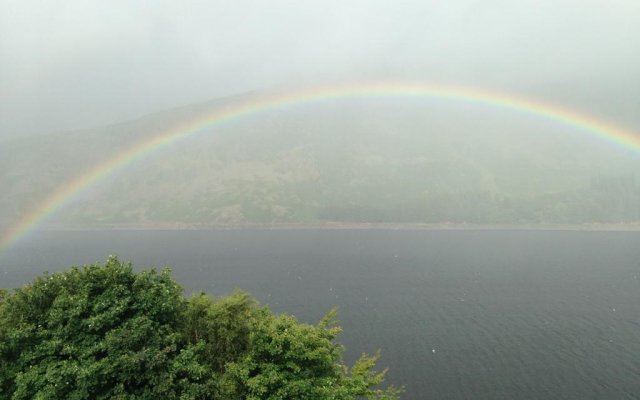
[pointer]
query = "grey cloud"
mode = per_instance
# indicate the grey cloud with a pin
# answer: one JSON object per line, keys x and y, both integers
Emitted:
{"x": 80, "y": 63}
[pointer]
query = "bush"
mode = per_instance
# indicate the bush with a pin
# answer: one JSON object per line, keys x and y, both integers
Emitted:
{"x": 105, "y": 331}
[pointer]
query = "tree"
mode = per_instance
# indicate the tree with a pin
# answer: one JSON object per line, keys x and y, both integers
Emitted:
{"x": 105, "y": 331}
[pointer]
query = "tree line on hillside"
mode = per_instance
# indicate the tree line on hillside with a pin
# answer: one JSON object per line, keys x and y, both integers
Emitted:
{"x": 105, "y": 331}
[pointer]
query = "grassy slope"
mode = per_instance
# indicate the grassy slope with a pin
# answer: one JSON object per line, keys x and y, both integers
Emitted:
{"x": 373, "y": 161}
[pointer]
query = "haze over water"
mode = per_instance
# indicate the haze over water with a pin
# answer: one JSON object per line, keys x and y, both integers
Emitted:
{"x": 458, "y": 314}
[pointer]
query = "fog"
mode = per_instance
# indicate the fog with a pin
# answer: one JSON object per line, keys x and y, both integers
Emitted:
{"x": 485, "y": 236}
{"x": 78, "y": 63}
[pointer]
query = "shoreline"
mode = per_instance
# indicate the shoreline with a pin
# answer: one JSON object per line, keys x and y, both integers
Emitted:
{"x": 587, "y": 227}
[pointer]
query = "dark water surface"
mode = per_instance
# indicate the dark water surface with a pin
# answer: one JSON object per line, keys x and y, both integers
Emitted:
{"x": 458, "y": 314}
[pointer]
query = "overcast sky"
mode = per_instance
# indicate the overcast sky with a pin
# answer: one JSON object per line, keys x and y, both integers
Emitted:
{"x": 80, "y": 63}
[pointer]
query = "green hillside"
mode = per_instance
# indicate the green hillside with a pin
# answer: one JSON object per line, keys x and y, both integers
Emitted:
{"x": 364, "y": 160}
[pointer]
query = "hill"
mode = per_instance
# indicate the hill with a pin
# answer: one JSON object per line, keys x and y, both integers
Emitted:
{"x": 348, "y": 160}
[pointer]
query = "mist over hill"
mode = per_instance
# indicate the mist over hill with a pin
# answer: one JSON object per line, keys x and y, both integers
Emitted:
{"x": 392, "y": 160}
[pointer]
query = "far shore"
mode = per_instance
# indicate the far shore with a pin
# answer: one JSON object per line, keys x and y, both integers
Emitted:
{"x": 341, "y": 226}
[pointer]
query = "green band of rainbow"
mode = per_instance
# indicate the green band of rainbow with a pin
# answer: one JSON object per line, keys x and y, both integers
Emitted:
{"x": 67, "y": 192}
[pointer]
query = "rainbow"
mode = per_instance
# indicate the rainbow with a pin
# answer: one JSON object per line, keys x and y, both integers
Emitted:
{"x": 71, "y": 189}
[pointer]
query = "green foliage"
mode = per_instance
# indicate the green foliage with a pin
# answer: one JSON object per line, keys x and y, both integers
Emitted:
{"x": 104, "y": 331}
{"x": 222, "y": 327}
{"x": 96, "y": 332}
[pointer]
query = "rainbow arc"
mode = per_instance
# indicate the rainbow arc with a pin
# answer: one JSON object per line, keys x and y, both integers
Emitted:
{"x": 67, "y": 192}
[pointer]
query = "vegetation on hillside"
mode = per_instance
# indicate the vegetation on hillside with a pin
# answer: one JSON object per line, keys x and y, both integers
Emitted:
{"x": 395, "y": 162}
{"x": 105, "y": 331}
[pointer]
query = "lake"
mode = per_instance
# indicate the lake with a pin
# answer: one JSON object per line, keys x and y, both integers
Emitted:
{"x": 458, "y": 314}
